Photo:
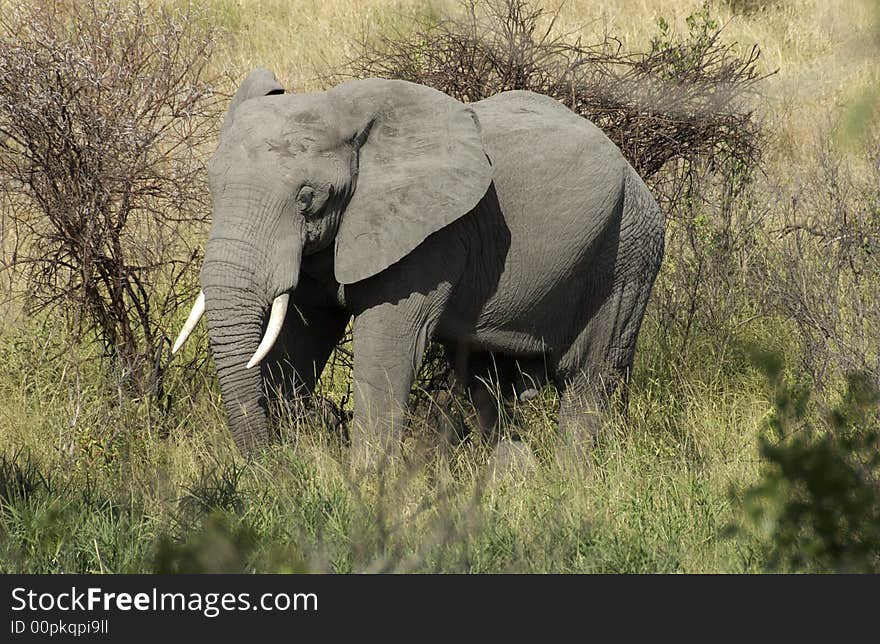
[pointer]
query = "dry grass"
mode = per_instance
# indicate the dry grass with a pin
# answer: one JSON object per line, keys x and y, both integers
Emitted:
{"x": 824, "y": 51}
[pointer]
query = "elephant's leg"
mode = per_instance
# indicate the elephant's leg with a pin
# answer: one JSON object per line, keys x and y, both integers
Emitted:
{"x": 494, "y": 382}
{"x": 469, "y": 396}
{"x": 487, "y": 388}
{"x": 395, "y": 316}
{"x": 499, "y": 382}
{"x": 529, "y": 377}
{"x": 389, "y": 342}
{"x": 295, "y": 363}
{"x": 477, "y": 375}
{"x": 624, "y": 351}
{"x": 600, "y": 361}
{"x": 488, "y": 406}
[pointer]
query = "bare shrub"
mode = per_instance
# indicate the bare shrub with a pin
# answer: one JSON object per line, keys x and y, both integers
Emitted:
{"x": 825, "y": 278}
{"x": 713, "y": 283}
{"x": 104, "y": 107}
{"x": 749, "y": 7}
{"x": 684, "y": 98}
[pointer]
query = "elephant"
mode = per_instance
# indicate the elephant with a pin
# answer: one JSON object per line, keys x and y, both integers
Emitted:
{"x": 510, "y": 230}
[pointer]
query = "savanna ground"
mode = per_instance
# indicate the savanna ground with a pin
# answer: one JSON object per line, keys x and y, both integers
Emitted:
{"x": 751, "y": 439}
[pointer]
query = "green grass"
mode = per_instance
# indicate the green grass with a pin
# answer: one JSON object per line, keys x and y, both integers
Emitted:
{"x": 87, "y": 486}
{"x": 714, "y": 469}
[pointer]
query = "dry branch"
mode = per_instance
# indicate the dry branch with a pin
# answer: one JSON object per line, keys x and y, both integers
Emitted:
{"x": 103, "y": 110}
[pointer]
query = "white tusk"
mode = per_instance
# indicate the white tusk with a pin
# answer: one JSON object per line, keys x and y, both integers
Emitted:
{"x": 276, "y": 321}
{"x": 195, "y": 315}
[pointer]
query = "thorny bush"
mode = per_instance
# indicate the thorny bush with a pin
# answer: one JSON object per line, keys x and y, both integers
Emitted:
{"x": 104, "y": 109}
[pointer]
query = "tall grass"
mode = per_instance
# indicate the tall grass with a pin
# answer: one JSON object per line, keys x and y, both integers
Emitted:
{"x": 88, "y": 487}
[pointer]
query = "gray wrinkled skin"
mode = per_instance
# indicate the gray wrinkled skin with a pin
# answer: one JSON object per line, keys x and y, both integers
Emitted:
{"x": 510, "y": 230}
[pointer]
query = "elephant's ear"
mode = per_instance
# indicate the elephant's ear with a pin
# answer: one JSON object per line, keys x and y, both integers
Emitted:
{"x": 259, "y": 82}
{"x": 421, "y": 166}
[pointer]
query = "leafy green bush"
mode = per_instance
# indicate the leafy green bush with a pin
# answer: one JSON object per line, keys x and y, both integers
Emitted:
{"x": 818, "y": 500}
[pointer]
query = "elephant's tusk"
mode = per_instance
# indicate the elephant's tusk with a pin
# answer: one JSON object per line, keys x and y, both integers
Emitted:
{"x": 276, "y": 321}
{"x": 198, "y": 310}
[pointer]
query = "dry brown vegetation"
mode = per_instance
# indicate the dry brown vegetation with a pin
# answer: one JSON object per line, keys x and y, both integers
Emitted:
{"x": 105, "y": 112}
{"x": 680, "y": 99}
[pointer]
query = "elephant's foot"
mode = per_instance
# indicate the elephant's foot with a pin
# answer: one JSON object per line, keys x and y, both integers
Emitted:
{"x": 332, "y": 417}
{"x": 583, "y": 407}
{"x": 375, "y": 446}
{"x": 312, "y": 413}
{"x": 582, "y": 415}
{"x": 511, "y": 458}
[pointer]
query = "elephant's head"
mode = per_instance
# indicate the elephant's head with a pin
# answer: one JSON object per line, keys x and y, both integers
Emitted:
{"x": 371, "y": 166}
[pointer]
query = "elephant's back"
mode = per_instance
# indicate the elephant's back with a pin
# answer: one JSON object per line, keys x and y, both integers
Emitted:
{"x": 559, "y": 182}
{"x": 557, "y": 175}
{"x": 520, "y": 120}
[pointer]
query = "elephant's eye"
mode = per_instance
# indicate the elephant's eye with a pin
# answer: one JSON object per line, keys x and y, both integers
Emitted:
{"x": 305, "y": 197}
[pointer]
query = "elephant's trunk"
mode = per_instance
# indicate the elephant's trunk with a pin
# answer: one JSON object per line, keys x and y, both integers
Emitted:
{"x": 251, "y": 263}
{"x": 235, "y": 325}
